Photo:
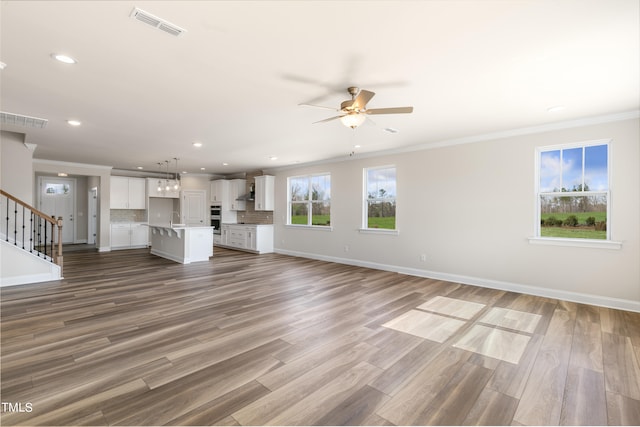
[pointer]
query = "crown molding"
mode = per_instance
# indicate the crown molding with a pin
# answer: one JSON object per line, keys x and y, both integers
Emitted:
{"x": 530, "y": 130}
{"x": 70, "y": 164}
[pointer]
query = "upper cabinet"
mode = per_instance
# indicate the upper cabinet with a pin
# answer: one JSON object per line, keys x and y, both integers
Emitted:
{"x": 220, "y": 192}
{"x": 128, "y": 193}
{"x": 237, "y": 188}
{"x": 157, "y": 188}
{"x": 264, "y": 198}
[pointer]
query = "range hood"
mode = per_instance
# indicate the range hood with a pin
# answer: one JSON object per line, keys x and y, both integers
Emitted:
{"x": 250, "y": 196}
{"x": 246, "y": 197}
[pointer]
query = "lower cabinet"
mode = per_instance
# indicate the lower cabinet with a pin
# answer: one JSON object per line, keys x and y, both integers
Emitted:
{"x": 257, "y": 238}
{"x": 127, "y": 235}
{"x": 217, "y": 239}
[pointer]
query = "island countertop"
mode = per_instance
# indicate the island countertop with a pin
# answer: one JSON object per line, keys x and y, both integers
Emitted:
{"x": 179, "y": 226}
{"x": 182, "y": 243}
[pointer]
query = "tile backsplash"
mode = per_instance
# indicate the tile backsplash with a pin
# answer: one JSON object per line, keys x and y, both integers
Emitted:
{"x": 128, "y": 215}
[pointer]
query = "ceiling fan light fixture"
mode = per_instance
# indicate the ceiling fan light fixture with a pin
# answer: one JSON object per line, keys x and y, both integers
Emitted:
{"x": 353, "y": 120}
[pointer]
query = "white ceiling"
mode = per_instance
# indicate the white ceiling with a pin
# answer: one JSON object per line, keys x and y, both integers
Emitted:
{"x": 234, "y": 80}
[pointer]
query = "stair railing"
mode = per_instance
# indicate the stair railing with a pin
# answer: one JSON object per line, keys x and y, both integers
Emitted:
{"x": 31, "y": 230}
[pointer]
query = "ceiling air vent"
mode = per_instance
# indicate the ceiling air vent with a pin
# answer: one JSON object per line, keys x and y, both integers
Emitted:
{"x": 154, "y": 21}
{"x": 20, "y": 120}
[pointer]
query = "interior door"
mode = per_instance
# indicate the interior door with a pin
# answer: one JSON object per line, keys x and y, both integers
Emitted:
{"x": 193, "y": 207}
{"x": 92, "y": 224}
{"x": 57, "y": 198}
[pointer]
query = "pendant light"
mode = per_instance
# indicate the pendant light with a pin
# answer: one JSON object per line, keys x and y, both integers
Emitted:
{"x": 160, "y": 181}
{"x": 167, "y": 187}
{"x": 176, "y": 186}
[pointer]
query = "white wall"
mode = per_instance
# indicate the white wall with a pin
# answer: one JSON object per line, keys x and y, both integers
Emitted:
{"x": 18, "y": 267}
{"x": 16, "y": 166}
{"x": 470, "y": 209}
{"x": 196, "y": 182}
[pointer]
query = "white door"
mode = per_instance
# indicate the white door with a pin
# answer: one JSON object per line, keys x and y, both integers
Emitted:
{"x": 93, "y": 216}
{"x": 57, "y": 198}
{"x": 193, "y": 207}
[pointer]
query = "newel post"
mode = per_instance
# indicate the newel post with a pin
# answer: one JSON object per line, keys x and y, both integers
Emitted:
{"x": 59, "y": 254}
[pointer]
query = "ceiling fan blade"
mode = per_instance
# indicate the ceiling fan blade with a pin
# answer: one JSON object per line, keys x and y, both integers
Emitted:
{"x": 326, "y": 120}
{"x": 396, "y": 110}
{"x": 304, "y": 104}
{"x": 361, "y": 100}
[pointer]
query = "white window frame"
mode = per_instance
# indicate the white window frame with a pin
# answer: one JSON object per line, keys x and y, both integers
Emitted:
{"x": 365, "y": 203}
{"x": 309, "y": 203}
{"x": 578, "y": 242}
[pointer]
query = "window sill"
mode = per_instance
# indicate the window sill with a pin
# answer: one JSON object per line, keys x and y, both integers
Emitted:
{"x": 378, "y": 231}
{"x": 310, "y": 227}
{"x": 576, "y": 243}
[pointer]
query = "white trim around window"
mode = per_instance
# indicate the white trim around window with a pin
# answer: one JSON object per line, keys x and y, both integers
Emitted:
{"x": 569, "y": 180}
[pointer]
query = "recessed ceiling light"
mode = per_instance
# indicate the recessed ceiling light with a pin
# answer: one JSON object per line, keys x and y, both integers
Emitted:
{"x": 62, "y": 174}
{"x": 356, "y": 146}
{"x": 74, "y": 122}
{"x": 555, "y": 108}
{"x": 273, "y": 158}
{"x": 185, "y": 172}
{"x": 3, "y": 65}
{"x": 63, "y": 58}
{"x": 201, "y": 169}
{"x": 225, "y": 164}
{"x": 197, "y": 144}
{"x": 139, "y": 168}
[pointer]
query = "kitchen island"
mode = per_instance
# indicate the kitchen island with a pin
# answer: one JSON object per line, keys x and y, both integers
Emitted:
{"x": 183, "y": 244}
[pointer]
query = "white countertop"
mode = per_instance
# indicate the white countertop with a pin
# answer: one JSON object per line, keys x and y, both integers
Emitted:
{"x": 244, "y": 223}
{"x": 180, "y": 226}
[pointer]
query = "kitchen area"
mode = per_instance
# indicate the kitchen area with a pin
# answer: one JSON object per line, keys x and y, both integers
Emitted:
{"x": 242, "y": 213}
{"x": 184, "y": 219}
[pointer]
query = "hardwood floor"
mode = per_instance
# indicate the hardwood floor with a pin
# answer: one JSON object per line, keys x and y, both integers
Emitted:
{"x": 128, "y": 338}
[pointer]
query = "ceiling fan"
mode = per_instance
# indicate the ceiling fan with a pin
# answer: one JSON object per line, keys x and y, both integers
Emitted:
{"x": 354, "y": 111}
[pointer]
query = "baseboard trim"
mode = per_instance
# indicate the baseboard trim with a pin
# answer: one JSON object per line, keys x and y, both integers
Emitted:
{"x": 30, "y": 278}
{"x": 597, "y": 300}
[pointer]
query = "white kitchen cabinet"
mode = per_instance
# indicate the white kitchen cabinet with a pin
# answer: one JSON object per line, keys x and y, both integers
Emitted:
{"x": 119, "y": 192}
{"x": 257, "y": 238}
{"x": 219, "y": 191}
{"x": 264, "y": 197}
{"x": 126, "y": 235}
{"x": 152, "y": 189}
{"x": 139, "y": 235}
{"x": 237, "y": 188}
{"x": 224, "y": 232}
{"x": 128, "y": 193}
{"x": 217, "y": 239}
{"x": 120, "y": 235}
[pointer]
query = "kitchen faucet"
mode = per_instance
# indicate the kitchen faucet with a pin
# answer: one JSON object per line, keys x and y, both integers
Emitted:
{"x": 171, "y": 218}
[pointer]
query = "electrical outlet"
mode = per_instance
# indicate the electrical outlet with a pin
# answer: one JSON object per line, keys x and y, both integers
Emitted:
{"x": 423, "y": 257}
{"x": 346, "y": 248}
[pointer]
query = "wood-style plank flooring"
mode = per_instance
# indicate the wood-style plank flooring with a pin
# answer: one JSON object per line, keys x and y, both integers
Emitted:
{"x": 128, "y": 338}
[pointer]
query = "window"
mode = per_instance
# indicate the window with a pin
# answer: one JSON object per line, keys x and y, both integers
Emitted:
{"x": 310, "y": 200}
{"x": 55, "y": 189}
{"x": 573, "y": 191}
{"x": 380, "y": 198}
